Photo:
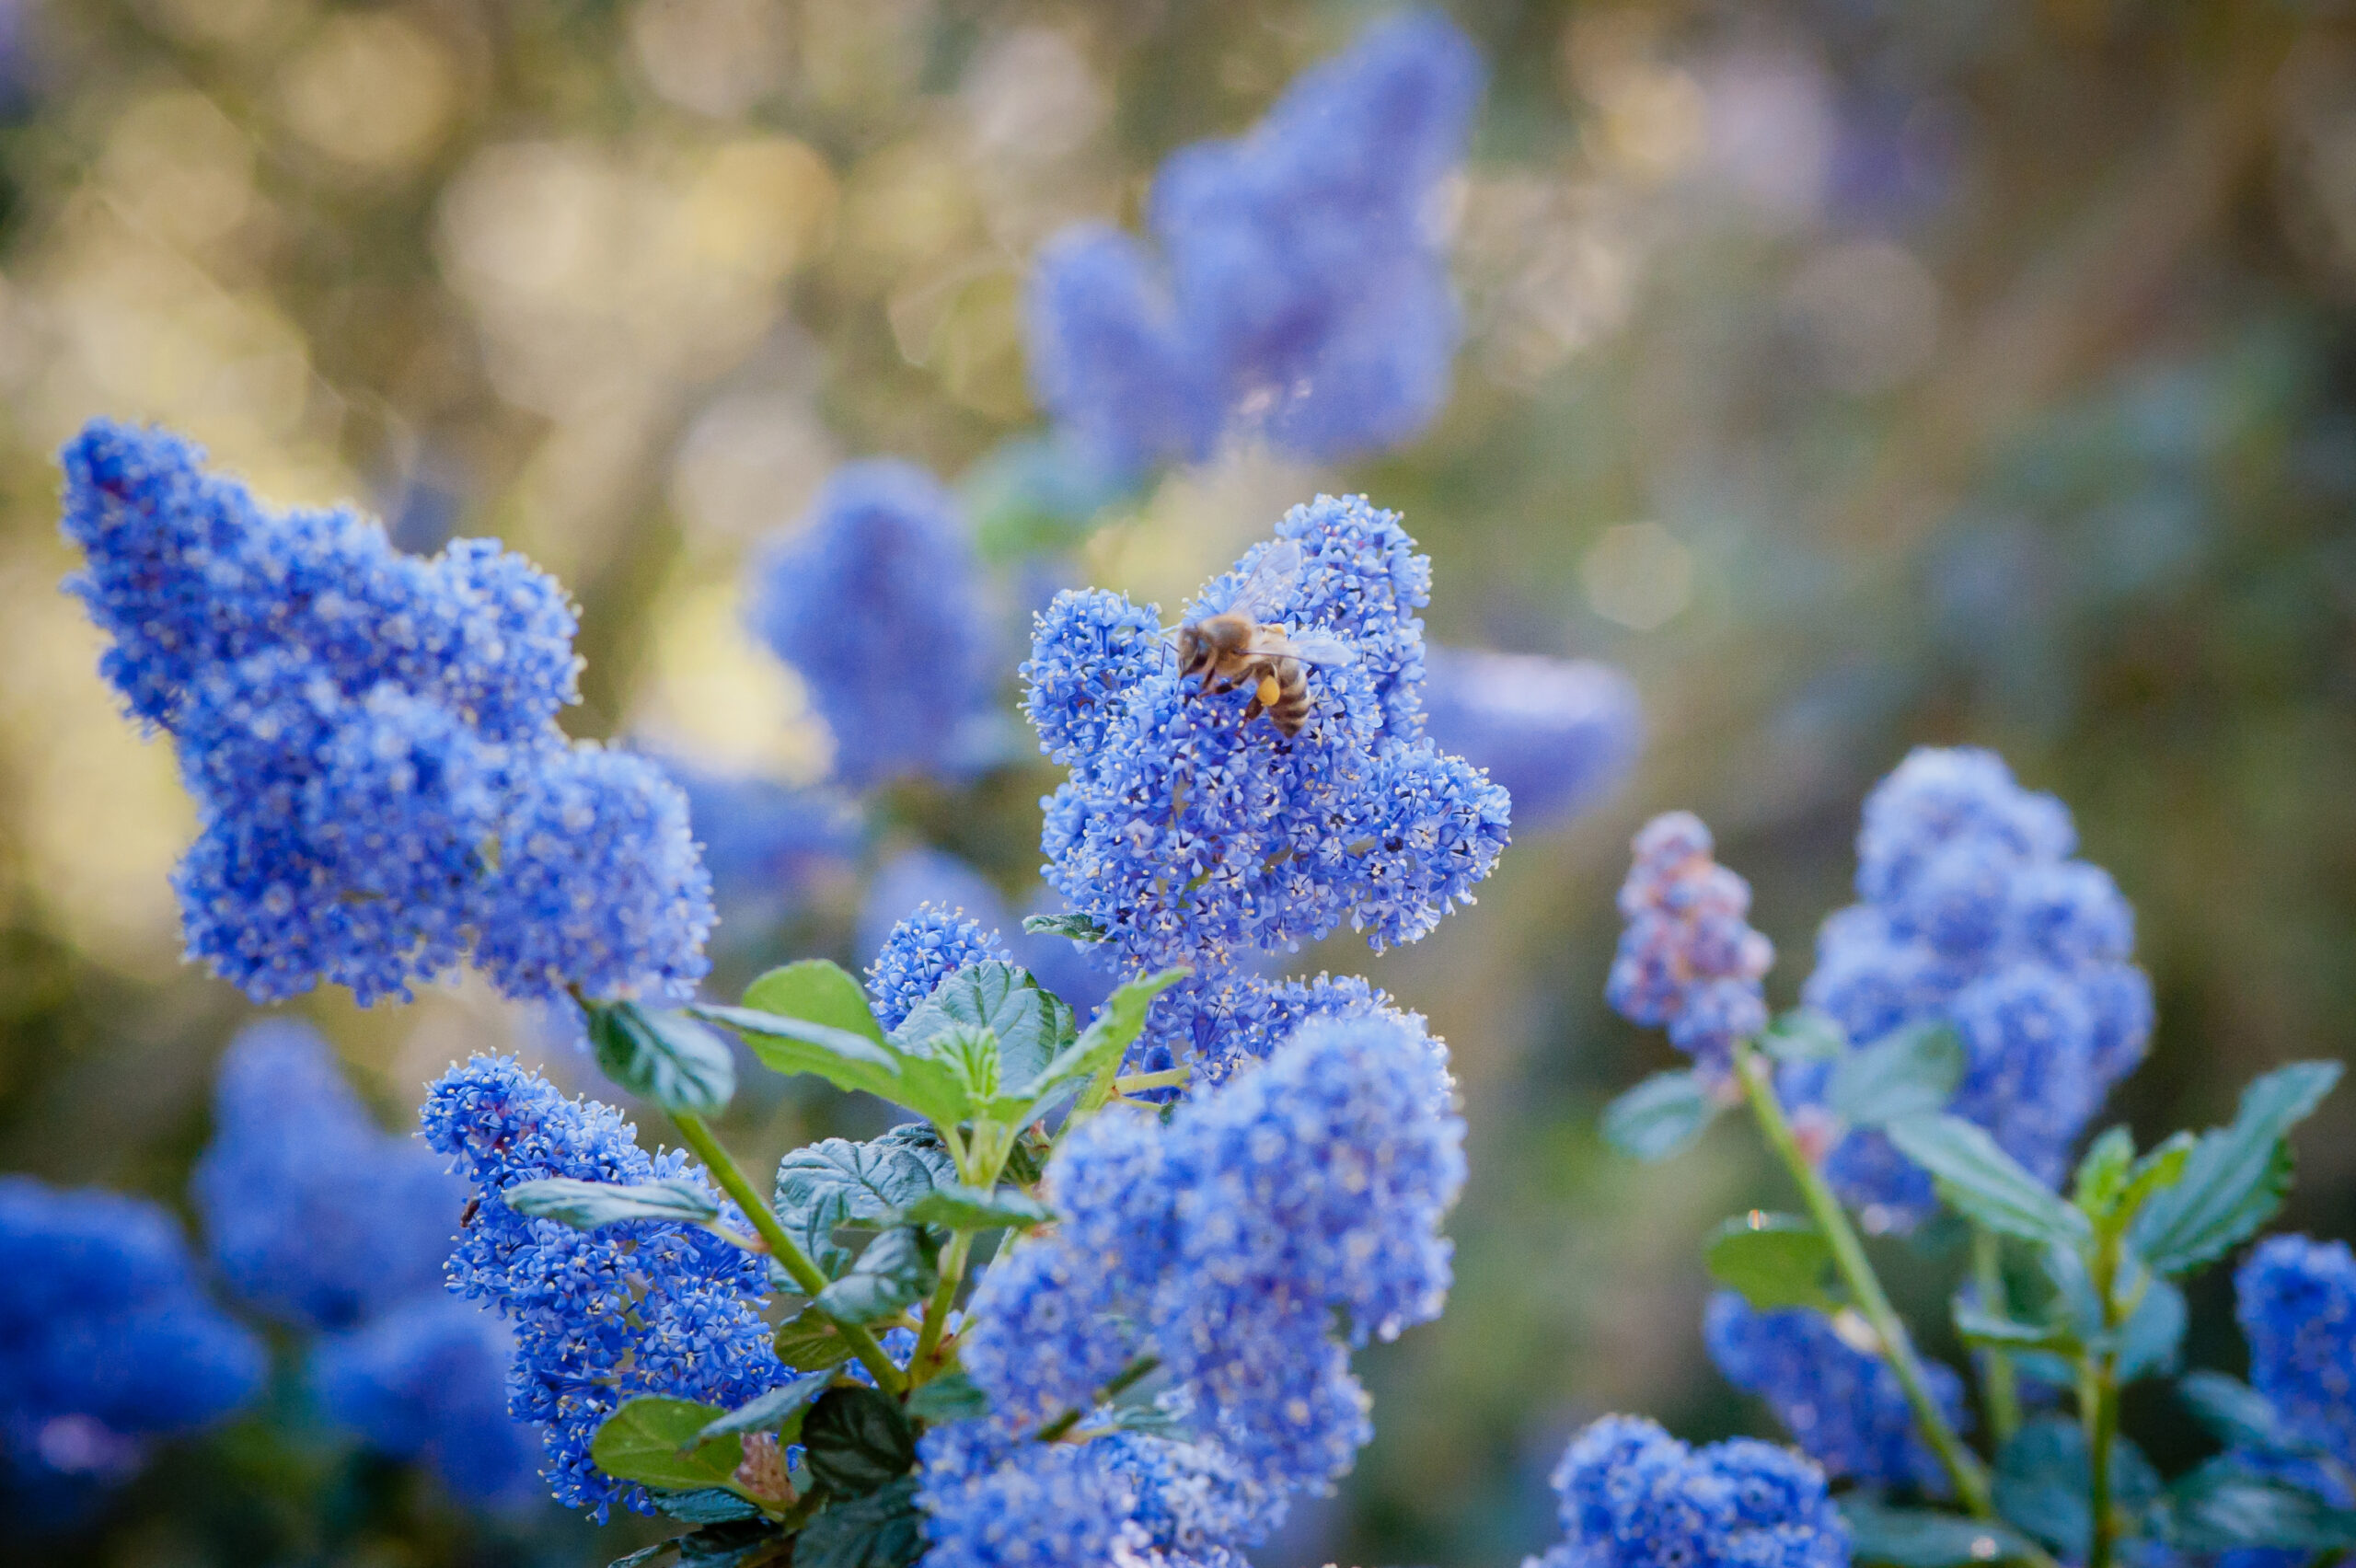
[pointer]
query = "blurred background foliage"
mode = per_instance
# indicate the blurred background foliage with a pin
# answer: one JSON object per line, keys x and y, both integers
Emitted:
{"x": 1854, "y": 374}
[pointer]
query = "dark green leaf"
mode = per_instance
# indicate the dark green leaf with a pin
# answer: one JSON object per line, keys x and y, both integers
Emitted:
{"x": 881, "y": 1529}
{"x": 857, "y": 1440}
{"x": 665, "y": 1057}
{"x": 2236, "y": 1177}
{"x": 710, "y": 1506}
{"x": 2237, "y": 1415}
{"x": 1913, "y": 1072}
{"x": 810, "y": 1342}
{"x": 1989, "y": 1331}
{"x": 1101, "y": 1046}
{"x": 1660, "y": 1116}
{"x": 1027, "y": 1161}
{"x": 1776, "y": 1260}
{"x": 2102, "y": 1174}
{"x": 643, "y": 1441}
{"x": 2223, "y": 1505}
{"x": 1804, "y": 1036}
{"x": 923, "y": 1140}
{"x": 952, "y": 1396}
{"x": 816, "y": 991}
{"x": 897, "y": 1271}
{"x": 649, "y": 1554}
{"x": 2042, "y": 1478}
{"x": 971, "y": 1208}
{"x": 587, "y": 1205}
{"x": 1923, "y": 1538}
{"x": 1031, "y": 1024}
{"x": 1079, "y": 927}
{"x": 837, "y": 1182}
{"x": 740, "y": 1543}
{"x": 1984, "y": 1183}
{"x": 2152, "y": 1339}
{"x": 773, "y": 1411}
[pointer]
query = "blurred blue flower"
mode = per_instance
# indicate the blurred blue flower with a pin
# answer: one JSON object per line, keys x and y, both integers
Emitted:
{"x": 1974, "y": 915}
{"x": 1559, "y": 734}
{"x": 1193, "y": 837}
{"x": 371, "y": 743}
{"x": 1688, "y": 959}
{"x": 1842, "y": 1405}
{"x": 311, "y": 1212}
{"x": 604, "y": 1315}
{"x": 1634, "y": 1498}
{"x": 2295, "y": 1299}
{"x": 1301, "y": 291}
{"x": 876, "y": 599}
{"x": 106, "y": 1342}
{"x": 921, "y": 876}
{"x": 765, "y": 843}
{"x": 427, "y": 1380}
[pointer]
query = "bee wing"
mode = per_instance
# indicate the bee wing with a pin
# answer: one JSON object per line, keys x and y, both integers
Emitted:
{"x": 1315, "y": 648}
{"x": 1270, "y": 583}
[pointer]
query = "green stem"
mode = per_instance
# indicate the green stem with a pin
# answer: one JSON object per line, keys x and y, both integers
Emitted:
{"x": 1125, "y": 1379}
{"x": 1138, "y": 1083}
{"x": 807, "y": 1274}
{"x": 1999, "y": 1386}
{"x": 936, "y": 1311}
{"x": 2100, "y": 1412}
{"x": 1963, "y": 1467}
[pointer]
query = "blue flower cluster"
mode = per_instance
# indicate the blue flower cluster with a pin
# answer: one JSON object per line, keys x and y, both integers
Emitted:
{"x": 427, "y": 1381}
{"x": 921, "y": 953}
{"x": 876, "y": 599}
{"x": 1634, "y": 1498}
{"x": 2296, "y": 1302}
{"x": 371, "y": 740}
{"x": 1688, "y": 959}
{"x": 1558, "y": 733}
{"x": 1228, "y": 1242}
{"x": 599, "y": 1316}
{"x": 766, "y": 843}
{"x": 106, "y": 1341}
{"x": 1193, "y": 837}
{"x": 1841, "y": 1402}
{"x": 1974, "y": 915}
{"x": 1301, "y": 290}
{"x": 918, "y": 877}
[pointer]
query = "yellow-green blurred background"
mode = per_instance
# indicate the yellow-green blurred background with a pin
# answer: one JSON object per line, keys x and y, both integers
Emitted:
{"x": 1857, "y": 372}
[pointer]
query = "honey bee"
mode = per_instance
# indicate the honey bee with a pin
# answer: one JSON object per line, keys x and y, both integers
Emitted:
{"x": 1238, "y": 646}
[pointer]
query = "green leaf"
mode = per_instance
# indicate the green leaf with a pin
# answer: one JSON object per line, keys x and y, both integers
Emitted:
{"x": 952, "y": 1396}
{"x": 2237, "y": 1415}
{"x": 2042, "y": 1478}
{"x": 736, "y": 1544}
{"x": 1913, "y": 1072}
{"x": 1986, "y": 1329}
{"x": 1031, "y": 1025}
{"x": 588, "y": 1204}
{"x": 665, "y": 1057}
{"x": 1804, "y": 1034}
{"x": 816, "y": 990}
{"x": 973, "y": 1054}
{"x": 1923, "y": 1538}
{"x": 650, "y": 1554}
{"x": 810, "y": 1342}
{"x": 846, "y": 1059}
{"x": 652, "y": 1441}
{"x": 2152, "y": 1339}
{"x": 1984, "y": 1183}
{"x": 2223, "y": 1504}
{"x": 897, "y": 1271}
{"x": 2161, "y": 1167}
{"x": 1660, "y": 1116}
{"x": 773, "y": 1411}
{"x": 973, "y": 1208}
{"x": 857, "y": 1440}
{"x": 921, "y": 1141}
{"x": 1102, "y": 1045}
{"x": 2103, "y": 1173}
{"x": 2236, "y": 1177}
{"x": 712, "y": 1505}
{"x": 881, "y": 1529}
{"x": 837, "y": 1182}
{"x": 1776, "y": 1260}
{"x": 1079, "y": 927}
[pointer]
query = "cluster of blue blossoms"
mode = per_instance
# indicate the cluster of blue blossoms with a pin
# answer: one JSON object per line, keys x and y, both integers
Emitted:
{"x": 371, "y": 742}
{"x": 1301, "y": 294}
{"x": 1974, "y": 915}
{"x": 1189, "y": 836}
{"x": 1688, "y": 959}
{"x": 1634, "y": 1498}
{"x": 2295, "y": 1299}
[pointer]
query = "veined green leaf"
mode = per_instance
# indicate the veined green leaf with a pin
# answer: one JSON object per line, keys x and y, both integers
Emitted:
{"x": 857, "y": 1440}
{"x": 1101, "y": 1045}
{"x": 1923, "y": 1538}
{"x": 1984, "y": 1183}
{"x": 1032, "y": 1024}
{"x": 897, "y": 1270}
{"x": 1989, "y": 1332}
{"x": 816, "y": 990}
{"x": 1079, "y": 927}
{"x": 2235, "y": 1177}
{"x": 1804, "y": 1034}
{"x": 1913, "y": 1072}
{"x": 652, "y": 1441}
{"x": 952, "y": 1396}
{"x": 665, "y": 1057}
{"x": 588, "y": 1204}
{"x": 881, "y": 1529}
{"x": 776, "y": 1410}
{"x": 2223, "y": 1505}
{"x": 809, "y": 1342}
{"x": 974, "y": 1208}
{"x": 837, "y": 1182}
{"x": 1660, "y": 1116}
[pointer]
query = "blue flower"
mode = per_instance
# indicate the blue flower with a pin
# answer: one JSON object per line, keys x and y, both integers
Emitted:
{"x": 1634, "y": 1498}
{"x": 876, "y": 600}
{"x": 1559, "y": 734}
{"x": 106, "y": 1342}
{"x": 599, "y": 1316}
{"x": 310, "y": 1212}
{"x": 919, "y": 953}
{"x": 766, "y": 843}
{"x": 1301, "y": 292}
{"x": 921, "y": 876}
{"x": 1842, "y": 1404}
{"x": 371, "y": 744}
{"x": 1688, "y": 959}
{"x": 1193, "y": 837}
{"x": 2296, "y": 1302}
{"x": 427, "y": 1381}
{"x": 1973, "y": 916}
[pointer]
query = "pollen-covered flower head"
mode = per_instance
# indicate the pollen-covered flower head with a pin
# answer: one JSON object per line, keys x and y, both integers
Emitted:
{"x": 1687, "y": 958}
{"x": 1973, "y": 916}
{"x": 1193, "y": 835}
{"x": 1301, "y": 291}
{"x": 1634, "y": 1498}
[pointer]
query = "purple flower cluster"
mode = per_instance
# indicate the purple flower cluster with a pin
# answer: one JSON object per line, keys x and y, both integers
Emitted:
{"x": 371, "y": 740}
{"x": 1300, "y": 293}
{"x": 1687, "y": 958}
{"x": 1973, "y": 914}
{"x": 1193, "y": 837}
{"x": 1634, "y": 1498}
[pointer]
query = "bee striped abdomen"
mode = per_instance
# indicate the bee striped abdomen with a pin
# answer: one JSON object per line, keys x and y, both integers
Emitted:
{"x": 1289, "y": 711}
